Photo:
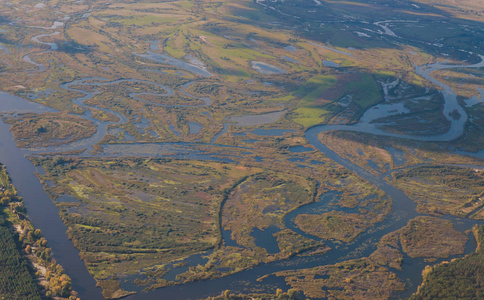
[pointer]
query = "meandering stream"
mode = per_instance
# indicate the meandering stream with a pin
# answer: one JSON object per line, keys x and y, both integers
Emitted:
{"x": 44, "y": 213}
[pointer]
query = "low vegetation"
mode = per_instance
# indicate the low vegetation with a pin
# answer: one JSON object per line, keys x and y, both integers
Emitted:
{"x": 261, "y": 201}
{"x": 460, "y": 278}
{"x": 138, "y": 220}
{"x": 49, "y": 129}
{"x": 291, "y": 294}
{"x": 333, "y": 225}
{"x": 444, "y": 189}
{"x": 431, "y": 237}
{"x": 157, "y": 211}
{"x": 369, "y": 205}
{"x": 375, "y": 276}
{"x": 150, "y": 211}
{"x": 353, "y": 279}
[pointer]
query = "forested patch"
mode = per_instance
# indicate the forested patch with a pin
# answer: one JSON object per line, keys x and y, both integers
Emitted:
{"x": 462, "y": 278}
{"x": 15, "y": 279}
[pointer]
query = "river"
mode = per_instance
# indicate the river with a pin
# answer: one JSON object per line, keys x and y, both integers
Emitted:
{"x": 41, "y": 210}
{"x": 44, "y": 214}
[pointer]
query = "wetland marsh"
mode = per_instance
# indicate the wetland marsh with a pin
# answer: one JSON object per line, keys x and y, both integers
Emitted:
{"x": 175, "y": 150}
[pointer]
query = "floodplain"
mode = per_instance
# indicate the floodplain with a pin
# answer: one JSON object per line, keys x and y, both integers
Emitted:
{"x": 236, "y": 149}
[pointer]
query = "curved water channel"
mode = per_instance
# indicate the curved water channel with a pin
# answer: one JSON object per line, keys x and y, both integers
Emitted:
{"x": 52, "y": 46}
{"x": 44, "y": 213}
{"x": 403, "y": 211}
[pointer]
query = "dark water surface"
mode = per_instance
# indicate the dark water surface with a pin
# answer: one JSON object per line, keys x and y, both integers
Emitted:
{"x": 41, "y": 210}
